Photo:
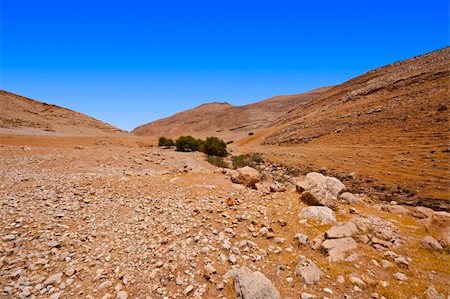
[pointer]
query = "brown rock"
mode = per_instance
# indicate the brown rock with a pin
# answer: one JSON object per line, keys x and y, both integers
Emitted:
{"x": 246, "y": 176}
{"x": 337, "y": 248}
{"x": 439, "y": 224}
{"x": 430, "y": 243}
{"x": 344, "y": 230}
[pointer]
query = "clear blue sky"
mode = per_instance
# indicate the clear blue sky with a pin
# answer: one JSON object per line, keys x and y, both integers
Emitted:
{"x": 128, "y": 62}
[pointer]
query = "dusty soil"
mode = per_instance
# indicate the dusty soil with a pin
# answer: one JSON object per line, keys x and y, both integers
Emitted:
{"x": 105, "y": 214}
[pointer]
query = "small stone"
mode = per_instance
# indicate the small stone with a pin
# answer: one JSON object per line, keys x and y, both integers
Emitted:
{"x": 308, "y": 296}
{"x": 386, "y": 264}
{"x": 9, "y": 237}
{"x": 430, "y": 243}
{"x": 340, "y": 279}
{"x": 188, "y": 289}
{"x": 327, "y": 290}
{"x": 55, "y": 296}
{"x": 301, "y": 239}
{"x": 400, "y": 276}
{"x": 432, "y": 293}
{"x": 358, "y": 281}
{"x": 104, "y": 285}
{"x": 54, "y": 279}
{"x": 122, "y": 295}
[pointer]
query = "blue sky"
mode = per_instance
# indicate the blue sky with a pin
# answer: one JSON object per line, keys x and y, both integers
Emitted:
{"x": 128, "y": 62}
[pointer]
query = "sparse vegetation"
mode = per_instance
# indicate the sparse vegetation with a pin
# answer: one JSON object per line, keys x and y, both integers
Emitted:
{"x": 212, "y": 146}
{"x": 217, "y": 161}
{"x": 188, "y": 144}
{"x": 165, "y": 142}
{"x": 215, "y": 147}
{"x": 251, "y": 160}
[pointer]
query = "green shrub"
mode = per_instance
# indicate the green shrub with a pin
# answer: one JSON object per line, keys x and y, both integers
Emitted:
{"x": 217, "y": 161}
{"x": 166, "y": 142}
{"x": 215, "y": 147}
{"x": 188, "y": 144}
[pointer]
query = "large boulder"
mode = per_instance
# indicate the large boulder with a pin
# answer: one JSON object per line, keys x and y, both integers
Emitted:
{"x": 251, "y": 285}
{"x": 246, "y": 176}
{"x": 324, "y": 215}
{"x": 337, "y": 248}
{"x": 308, "y": 271}
{"x": 439, "y": 225}
{"x": 319, "y": 190}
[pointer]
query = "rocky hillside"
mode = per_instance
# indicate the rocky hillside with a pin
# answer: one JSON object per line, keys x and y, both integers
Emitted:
{"x": 224, "y": 119}
{"x": 403, "y": 102}
{"x": 20, "y": 115}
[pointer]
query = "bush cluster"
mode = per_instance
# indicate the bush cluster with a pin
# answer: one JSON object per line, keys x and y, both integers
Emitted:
{"x": 212, "y": 145}
{"x": 166, "y": 142}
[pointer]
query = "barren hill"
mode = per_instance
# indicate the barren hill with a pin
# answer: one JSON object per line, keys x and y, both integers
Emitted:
{"x": 224, "y": 119}
{"x": 21, "y": 115}
{"x": 408, "y": 98}
{"x": 390, "y": 126}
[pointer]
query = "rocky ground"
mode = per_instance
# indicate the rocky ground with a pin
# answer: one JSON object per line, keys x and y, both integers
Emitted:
{"x": 117, "y": 218}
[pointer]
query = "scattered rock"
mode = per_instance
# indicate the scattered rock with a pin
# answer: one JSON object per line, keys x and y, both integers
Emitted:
{"x": 249, "y": 285}
{"x": 301, "y": 239}
{"x": 322, "y": 214}
{"x": 277, "y": 187}
{"x": 400, "y": 276}
{"x": 263, "y": 187}
{"x": 337, "y": 248}
{"x": 122, "y": 295}
{"x": 432, "y": 293}
{"x": 188, "y": 289}
{"x": 431, "y": 243}
{"x": 308, "y": 271}
{"x": 347, "y": 229}
{"x": 349, "y": 198}
{"x": 396, "y": 209}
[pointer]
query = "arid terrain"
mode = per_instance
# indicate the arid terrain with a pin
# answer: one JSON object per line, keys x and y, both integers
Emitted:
{"x": 349, "y": 197}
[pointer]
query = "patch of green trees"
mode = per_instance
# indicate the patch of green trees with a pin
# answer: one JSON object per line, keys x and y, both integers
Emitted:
{"x": 213, "y": 146}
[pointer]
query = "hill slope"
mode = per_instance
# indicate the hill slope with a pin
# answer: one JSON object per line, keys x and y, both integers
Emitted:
{"x": 22, "y": 115}
{"x": 390, "y": 126}
{"x": 404, "y": 97}
{"x": 225, "y": 120}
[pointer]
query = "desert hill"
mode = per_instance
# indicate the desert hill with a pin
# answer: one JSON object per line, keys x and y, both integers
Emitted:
{"x": 389, "y": 125}
{"x": 407, "y": 97}
{"x": 224, "y": 119}
{"x": 21, "y": 115}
